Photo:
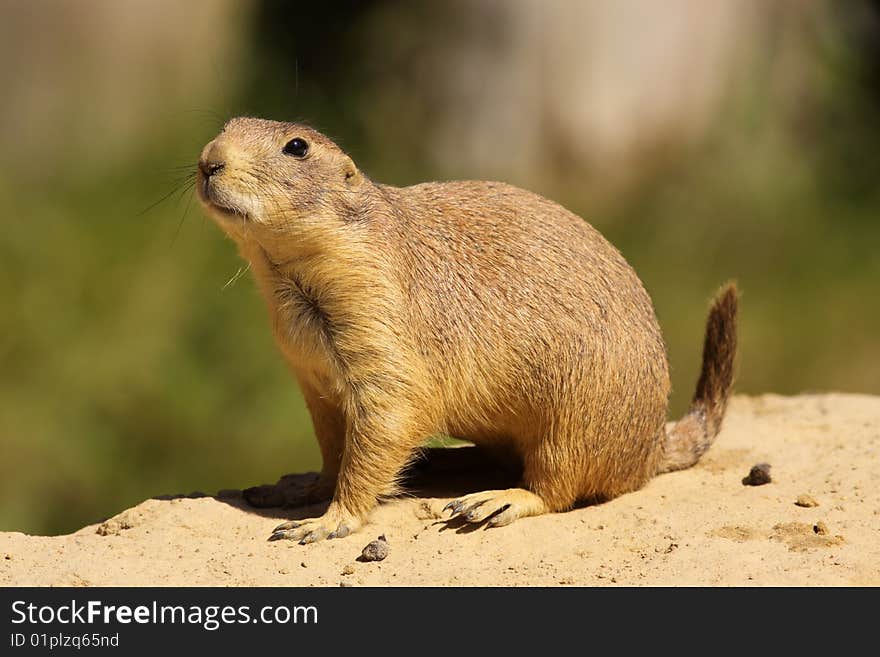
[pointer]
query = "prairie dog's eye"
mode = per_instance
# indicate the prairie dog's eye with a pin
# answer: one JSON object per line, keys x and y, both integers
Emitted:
{"x": 296, "y": 147}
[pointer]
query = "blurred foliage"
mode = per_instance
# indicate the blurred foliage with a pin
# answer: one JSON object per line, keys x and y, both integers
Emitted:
{"x": 130, "y": 369}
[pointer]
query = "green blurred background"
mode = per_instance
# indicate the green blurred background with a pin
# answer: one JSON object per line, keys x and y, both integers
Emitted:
{"x": 707, "y": 140}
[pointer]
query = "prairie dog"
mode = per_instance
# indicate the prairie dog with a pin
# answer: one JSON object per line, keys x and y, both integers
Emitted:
{"x": 472, "y": 309}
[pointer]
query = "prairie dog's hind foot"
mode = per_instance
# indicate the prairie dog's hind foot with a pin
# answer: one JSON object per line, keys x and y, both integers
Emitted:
{"x": 497, "y": 507}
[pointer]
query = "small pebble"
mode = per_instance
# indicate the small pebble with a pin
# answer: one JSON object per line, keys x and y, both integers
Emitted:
{"x": 820, "y": 528}
{"x": 303, "y": 564}
{"x": 806, "y": 501}
{"x": 345, "y": 584}
{"x": 375, "y": 550}
{"x": 348, "y": 569}
{"x": 758, "y": 475}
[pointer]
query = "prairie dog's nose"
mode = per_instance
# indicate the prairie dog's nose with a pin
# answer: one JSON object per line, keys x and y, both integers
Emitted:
{"x": 209, "y": 168}
{"x": 212, "y": 159}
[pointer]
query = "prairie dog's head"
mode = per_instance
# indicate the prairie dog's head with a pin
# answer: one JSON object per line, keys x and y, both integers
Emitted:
{"x": 259, "y": 173}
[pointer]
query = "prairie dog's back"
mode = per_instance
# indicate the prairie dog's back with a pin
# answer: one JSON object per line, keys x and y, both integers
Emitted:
{"x": 498, "y": 279}
{"x": 486, "y": 262}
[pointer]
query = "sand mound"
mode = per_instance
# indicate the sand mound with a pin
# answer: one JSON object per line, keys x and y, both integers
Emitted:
{"x": 699, "y": 526}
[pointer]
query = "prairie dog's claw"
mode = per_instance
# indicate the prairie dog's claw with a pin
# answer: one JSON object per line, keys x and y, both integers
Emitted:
{"x": 333, "y": 524}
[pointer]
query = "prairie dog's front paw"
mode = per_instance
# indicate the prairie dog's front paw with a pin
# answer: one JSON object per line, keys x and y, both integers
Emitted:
{"x": 335, "y": 523}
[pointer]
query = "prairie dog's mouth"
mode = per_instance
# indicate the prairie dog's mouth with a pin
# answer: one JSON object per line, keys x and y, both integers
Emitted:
{"x": 215, "y": 202}
{"x": 225, "y": 211}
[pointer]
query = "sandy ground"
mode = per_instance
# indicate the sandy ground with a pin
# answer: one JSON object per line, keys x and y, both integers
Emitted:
{"x": 697, "y": 527}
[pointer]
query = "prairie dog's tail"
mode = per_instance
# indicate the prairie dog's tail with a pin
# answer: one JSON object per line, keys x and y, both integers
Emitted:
{"x": 689, "y": 438}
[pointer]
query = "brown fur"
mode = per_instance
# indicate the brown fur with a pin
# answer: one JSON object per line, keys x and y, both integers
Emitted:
{"x": 473, "y": 309}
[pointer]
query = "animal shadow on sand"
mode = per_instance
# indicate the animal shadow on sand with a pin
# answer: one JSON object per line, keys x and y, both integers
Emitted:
{"x": 439, "y": 472}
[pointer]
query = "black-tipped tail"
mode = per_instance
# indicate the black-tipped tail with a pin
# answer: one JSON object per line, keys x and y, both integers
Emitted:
{"x": 689, "y": 438}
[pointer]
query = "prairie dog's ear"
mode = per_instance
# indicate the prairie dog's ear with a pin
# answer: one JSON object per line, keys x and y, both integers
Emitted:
{"x": 353, "y": 175}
